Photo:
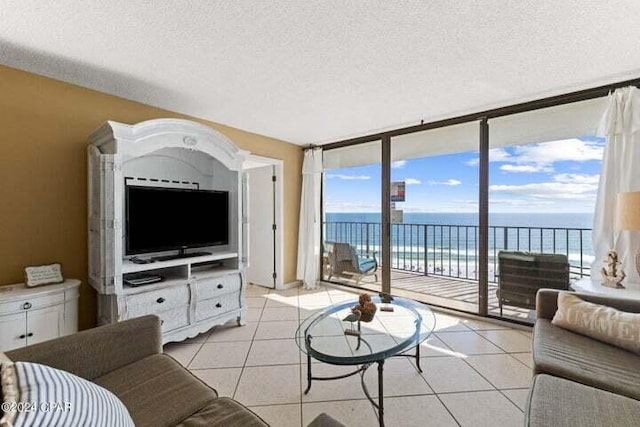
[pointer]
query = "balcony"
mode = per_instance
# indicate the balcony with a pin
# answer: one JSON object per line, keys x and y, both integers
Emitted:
{"x": 438, "y": 263}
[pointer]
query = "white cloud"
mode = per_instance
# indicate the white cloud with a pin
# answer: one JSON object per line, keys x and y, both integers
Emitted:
{"x": 349, "y": 177}
{"x": 450, "y": 182}
{"x": 525, "y": 168}
{"x": 495, "y": 155}
{"x": 412, "y": 181}
{"x": 458, "y": 206}
{"x": 472, "y": 202}
{"x": 398, "y": 164}
{"x": 549, "y": 190}
{"x": 499, "y": 155}
{"x": 519, "y": 202}
{"x": 575, "y": 178}
{"x": 541, "y": 156}
{"x": 332, "y": 206}
{"x": 547, "y": 153}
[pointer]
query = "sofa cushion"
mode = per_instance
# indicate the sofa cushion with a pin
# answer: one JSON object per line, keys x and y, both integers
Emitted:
{"x": 563, "y": 353}
{"x": 158, "y": 391}
{"x": 223, "y": 412}
{"x": 598, "y": 321}
{"x": 561, "y": 403}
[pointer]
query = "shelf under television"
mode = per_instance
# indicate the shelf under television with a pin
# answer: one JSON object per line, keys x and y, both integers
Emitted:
{"x": 167, "y": 283}
{"x": 130, "y": 267}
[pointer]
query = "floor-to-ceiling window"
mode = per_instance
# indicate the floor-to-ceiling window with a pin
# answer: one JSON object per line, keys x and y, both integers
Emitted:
{"x": 456, "y": 194}
{"x": 352, "y": 215}
{"x": 434, "y": 230}
{"x": 544, "y": 170}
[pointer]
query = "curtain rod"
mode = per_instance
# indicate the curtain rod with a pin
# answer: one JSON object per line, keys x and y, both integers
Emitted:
{"x": 551, "y": 101}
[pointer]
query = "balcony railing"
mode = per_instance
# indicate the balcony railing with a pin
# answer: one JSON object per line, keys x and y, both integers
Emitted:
{"x": 452, "y": 250}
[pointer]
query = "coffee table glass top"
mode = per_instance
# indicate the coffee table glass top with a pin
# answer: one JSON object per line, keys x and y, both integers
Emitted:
{"x": 390, "y": 333}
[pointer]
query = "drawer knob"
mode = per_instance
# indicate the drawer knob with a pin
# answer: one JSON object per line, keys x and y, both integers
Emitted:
{"x": 160, "y": 300}
{"x": 220, "y": 286}
{"x": 23, "y": 336}
{"x": 27, "y": 305}
{"x": 161, "y": 322}
{"x": 218, "y": 305}
{"x": 30, "y": 334}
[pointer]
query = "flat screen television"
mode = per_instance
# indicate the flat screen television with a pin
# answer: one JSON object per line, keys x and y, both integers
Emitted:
{"x": 163, "y": 219}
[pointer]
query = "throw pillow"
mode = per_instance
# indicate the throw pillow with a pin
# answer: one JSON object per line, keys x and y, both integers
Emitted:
{"x": 599, "y": 322}
{"x": 8, "y": 391}
{"x": 45, "y": 396}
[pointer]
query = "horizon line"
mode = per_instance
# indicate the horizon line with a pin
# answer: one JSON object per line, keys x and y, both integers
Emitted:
{"x": 460, "y": 213}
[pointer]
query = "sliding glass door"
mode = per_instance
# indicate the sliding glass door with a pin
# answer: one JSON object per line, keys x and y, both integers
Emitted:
{"x": 436, "y": 214}
{"x": 544, "y": 172}
{"x": 352, "y": 216}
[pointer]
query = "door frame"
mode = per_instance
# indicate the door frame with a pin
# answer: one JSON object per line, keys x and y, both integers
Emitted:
{"x": 253, "y": 161}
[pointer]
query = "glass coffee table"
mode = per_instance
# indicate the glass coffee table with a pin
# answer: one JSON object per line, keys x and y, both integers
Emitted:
{"x": 326, "y": 337}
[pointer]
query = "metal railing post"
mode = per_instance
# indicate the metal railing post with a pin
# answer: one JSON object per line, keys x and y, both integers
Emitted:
{"x": 424, "y": 255}
{"x": 366, "y": 236}
{"x": 505, "y": 238}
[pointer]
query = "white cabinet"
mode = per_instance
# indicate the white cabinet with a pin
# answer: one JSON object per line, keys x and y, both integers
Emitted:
{"x": 196, "y": 292}
{"x": 32, "y": 315}
{"x": 13, "y": 332}
{"x": 45, "y": 324}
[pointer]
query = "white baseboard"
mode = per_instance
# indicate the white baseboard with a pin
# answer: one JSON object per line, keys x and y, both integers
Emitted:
{"x": 289, "y": 285}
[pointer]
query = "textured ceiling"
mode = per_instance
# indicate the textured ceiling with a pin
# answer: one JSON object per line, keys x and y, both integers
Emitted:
{"x": 317, "y": 71}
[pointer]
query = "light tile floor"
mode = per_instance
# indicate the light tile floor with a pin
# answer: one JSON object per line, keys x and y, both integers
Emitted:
{"x": 476, "y": 373}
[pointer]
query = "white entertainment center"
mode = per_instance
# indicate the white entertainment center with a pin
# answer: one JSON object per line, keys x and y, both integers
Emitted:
{"x": 195, "y": 292}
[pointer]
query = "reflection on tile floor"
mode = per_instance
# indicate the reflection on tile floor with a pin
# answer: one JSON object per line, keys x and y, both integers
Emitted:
{"x": 475, "y": 373}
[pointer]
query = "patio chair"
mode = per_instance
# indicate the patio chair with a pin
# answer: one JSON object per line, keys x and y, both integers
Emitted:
{"x": 345, "y": 261}
{"x": 521, "y": 274}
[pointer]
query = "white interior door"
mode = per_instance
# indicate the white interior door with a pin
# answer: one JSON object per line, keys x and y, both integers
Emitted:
{"x": 262, "y": 250}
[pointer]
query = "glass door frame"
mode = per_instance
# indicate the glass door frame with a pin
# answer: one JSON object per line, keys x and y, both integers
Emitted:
{"x": 385, "y": 231}
{"x": 483, "y": 174}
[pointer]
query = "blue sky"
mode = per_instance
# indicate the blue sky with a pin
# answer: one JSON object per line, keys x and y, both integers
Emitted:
{"x": 556, "y": 176}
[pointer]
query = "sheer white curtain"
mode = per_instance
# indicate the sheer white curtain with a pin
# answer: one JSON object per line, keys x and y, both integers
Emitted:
{"x": 620, "y": 173}
{"x": 309, "y": 233}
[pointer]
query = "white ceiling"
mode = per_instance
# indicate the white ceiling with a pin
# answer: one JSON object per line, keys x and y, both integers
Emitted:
{"x": 319, "y": 71}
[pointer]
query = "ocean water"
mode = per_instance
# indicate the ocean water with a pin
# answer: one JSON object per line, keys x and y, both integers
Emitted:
{"x": 559, "y": 220}
{"x": 446, "y": 243}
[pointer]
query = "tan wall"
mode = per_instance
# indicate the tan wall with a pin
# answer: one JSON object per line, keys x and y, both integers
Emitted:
{"x": 44, "y": 124}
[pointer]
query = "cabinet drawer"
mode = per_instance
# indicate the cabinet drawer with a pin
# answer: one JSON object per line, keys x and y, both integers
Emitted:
{"x": 212, "y": 287}
{"x": 26, "y": 304}
{"x": 174, "y": 318}
{"x": 154, "y": 302}
{"x": 215, "y": 306}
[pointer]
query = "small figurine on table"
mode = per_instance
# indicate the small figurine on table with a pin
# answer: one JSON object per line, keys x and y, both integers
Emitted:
{"x": 353, "y": 317}
{"x": 612, "y": 274}
{"x": 362, "y": 312}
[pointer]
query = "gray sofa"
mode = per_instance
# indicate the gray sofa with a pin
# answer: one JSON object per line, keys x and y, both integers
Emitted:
{"x": 127, "y": 359}
{"x": 579, "y": 380}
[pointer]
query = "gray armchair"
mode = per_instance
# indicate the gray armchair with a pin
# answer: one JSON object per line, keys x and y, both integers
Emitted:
{"x": 345, "y": 261}
{"x": 521, "y": 274}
